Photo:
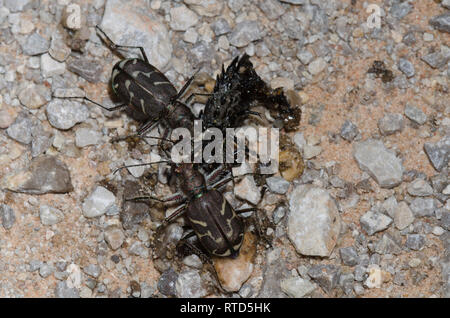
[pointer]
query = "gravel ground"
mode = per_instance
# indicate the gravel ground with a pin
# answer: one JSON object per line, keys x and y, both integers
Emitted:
{"x": 369, "y": 216}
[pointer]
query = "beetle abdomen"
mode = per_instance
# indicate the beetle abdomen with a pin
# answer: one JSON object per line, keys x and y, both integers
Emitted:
{"x": 218, "y": 227}
{"x": 142, "y": 86}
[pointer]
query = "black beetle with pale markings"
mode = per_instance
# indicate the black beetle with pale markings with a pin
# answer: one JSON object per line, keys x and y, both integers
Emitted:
{"x": 218, "y": 227}
{"x": 146, "y": 92}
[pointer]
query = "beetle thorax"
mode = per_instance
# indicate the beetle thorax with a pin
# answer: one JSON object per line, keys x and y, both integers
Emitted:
{"x": 193, "y": 182}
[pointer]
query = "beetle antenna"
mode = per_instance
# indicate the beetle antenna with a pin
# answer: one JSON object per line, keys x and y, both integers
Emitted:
{"x": 140, "y": 165}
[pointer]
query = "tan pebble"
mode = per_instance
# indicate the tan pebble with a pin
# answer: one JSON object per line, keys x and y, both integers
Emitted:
{"x": 209, "y": 86}
{"x": 233, "y": 273}
{"x": 357, "y": 32}
{"x": 397, "y": 37}
{"x": 103, "y": 168}
{"x": 304, "y": 97}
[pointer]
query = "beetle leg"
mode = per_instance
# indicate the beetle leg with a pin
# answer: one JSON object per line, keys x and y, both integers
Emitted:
{"x": 185, "y": 87}
{"x": 258, "y": 225}
{"x": 175, "y": 214}
{"x": 139, "y": 165}
{"x": 188, "y": 100}
{"x": 149, "y": 125}
{"x": 254, "y": 113}
{"x": 115, "y": 47}
{"x": 194, "y": 249}
{"x": 110, "y": 109}
{"x": 222, "y": 182}
{"x": 211, "y": 178}
{"x": 245, "y": 210}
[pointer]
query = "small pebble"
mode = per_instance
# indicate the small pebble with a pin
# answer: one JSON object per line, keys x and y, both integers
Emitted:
{"x": 8, "y": 217}
{"x": 49, "y": 215}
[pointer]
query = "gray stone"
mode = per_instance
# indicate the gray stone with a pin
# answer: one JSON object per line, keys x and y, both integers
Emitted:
{"x": 34, "y": 96}
{"x": 42, "y": 140}
{"x": 373, "y": 222}
{"x": 189, "y": 285}
{"x": 88, "y": 69}
{"x": 114, "y": 237}
{"x": 299, "y": 2}
{"x": 275, "y": 271}
{"x": 423, "y": 206}
{"x": 390, "y": 205}
{"x": 6, "y": 119}
{"x": 247, "y": 190}
{"x": 98, "y": 202}
{"x": 181, "y": 18}
{"x": 317, "y": 66}
{"x": 244, "y": 33}
{"x": 132, "y": 25}
{"x": 87, "y": 137}
{"x": 415, "y": 114}
{"x": 441, "y": 22}
{"x": 64, "y": 291}
{"x": 314, "y": 222}
{"x": 346, "y": 283}
{"x": 440, "y": 181}
{"x": 438, "y": 153}
{"x": 379, "y": 162}
{"x": 58, "y": 48}
{"x": 50, "y": 215}
{"x": 400, "y": 279}
{"x": 277, "y": 184}
{"x": 400, "y": 9}
{"x": 349, "y": 256}
{"x": 166, "y": 283}
{"x": 35, "y": 44}
{"x": 415, "y": 241}
{"x": 349, "y": 130}
{"x": 327, "y": 276}
{"x": 34, "y": 265}
{"x": 132, "y": 213}
{"x": 360, "y": 273}
{"x": 64, "y": 114}
{"x": 208, "y": 8}
{"x": 135, "y": 171}
{"x": 193, "y": 261}
{"x": 16, "y": 5}
{"x": 279, "y": 214}
{"x": 20, "y": 130}
{"x": 271, "y": 8}
{"x": 220, "y": 27}
{"x": 436, "y": 59}
{"x": 46, "y": 174}
{"x": 387, "y": 245}
{"x": 390, "y": 124}
{"x": 51, "y": 67}
{"x": 403, "y": 216}
{"x": 406, "y": 67}
{"x": 8, "y": 217}
{"x": 235, "y": 5}
{"x": 46, "y": 270}
{"x": 297, "y": 287}
{"x": 445, "y": 220}
{"x": 420, "y": 188}
{"x": 92, "y": 270}
{"x": 305, "y": 56}
{"x": 147, "y": 291}
{"x": 409, "y": 38}
{"x": 137, "y": 248}
{"x": 446, "y": 4}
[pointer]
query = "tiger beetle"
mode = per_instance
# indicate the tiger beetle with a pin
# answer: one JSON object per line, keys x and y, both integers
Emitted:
{"x": 218, "y": 227}
{"x": 146, "y": 91}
